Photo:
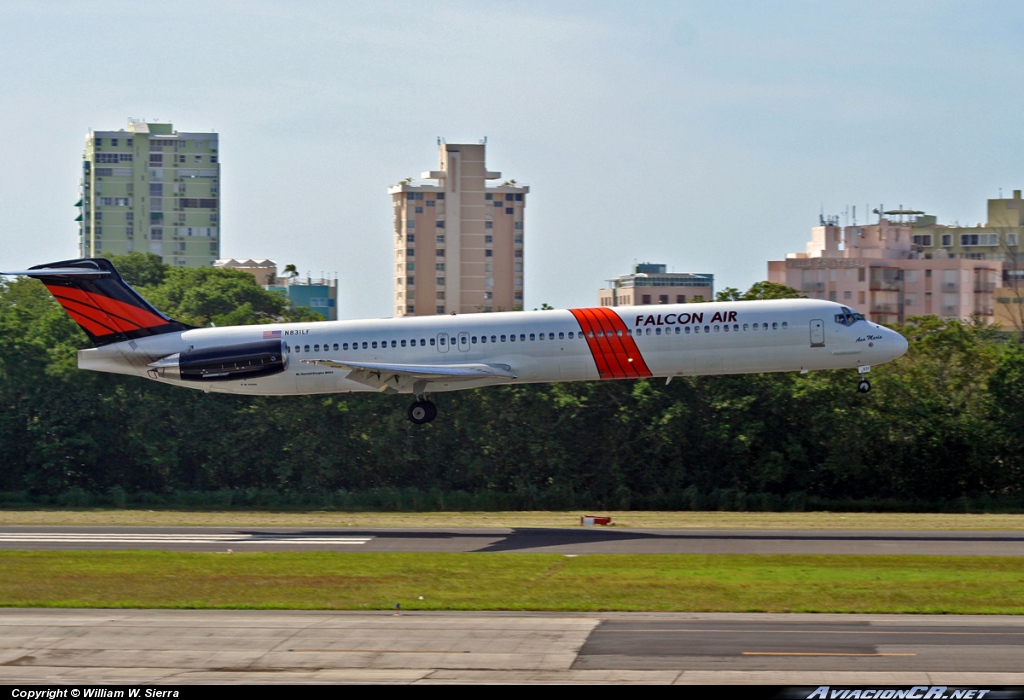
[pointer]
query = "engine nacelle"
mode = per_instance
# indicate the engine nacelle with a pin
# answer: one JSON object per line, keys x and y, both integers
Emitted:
{"x": 224, "y": 363}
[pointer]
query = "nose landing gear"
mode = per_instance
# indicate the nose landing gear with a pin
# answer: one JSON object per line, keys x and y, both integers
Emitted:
{"x": 864, "y": 386}
{"x": 422, "y": 411}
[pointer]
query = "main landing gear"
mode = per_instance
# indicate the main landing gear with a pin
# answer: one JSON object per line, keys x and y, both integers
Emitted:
{"x": 422, "y": 411}
{"x": 864, "y": 386}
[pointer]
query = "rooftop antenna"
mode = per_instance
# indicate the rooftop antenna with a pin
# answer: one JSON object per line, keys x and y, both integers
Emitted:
{"x": 854, "y": 215}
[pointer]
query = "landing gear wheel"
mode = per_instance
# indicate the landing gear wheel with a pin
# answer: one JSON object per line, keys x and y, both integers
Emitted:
{"x": 422, "y": 412}
{"x": 864, "y": 386}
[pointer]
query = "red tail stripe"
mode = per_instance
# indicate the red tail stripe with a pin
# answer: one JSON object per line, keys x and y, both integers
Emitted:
{"x": 134, "y": 315}
{"x": 111, "y": 323}
{"x": 88, "y": 324}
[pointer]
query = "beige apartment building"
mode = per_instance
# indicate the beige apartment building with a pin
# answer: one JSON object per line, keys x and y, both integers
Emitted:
{"x": 651, "y": 283}
{"x": 458, "y": 241}
{"x": 884, "y": 271}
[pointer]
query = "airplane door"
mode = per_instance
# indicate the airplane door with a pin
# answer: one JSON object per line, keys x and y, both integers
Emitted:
{"x": 817, "y": 333}
{"x": 442, "y": 342}
{"x": 463, "y": 342}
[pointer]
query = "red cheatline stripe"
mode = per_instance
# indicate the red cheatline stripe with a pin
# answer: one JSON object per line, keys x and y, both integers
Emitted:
{"x": 615, "y": 333}
{"x": 626, "y": 342}
{"x": 604, "y": 339}
{"x": 603, "y": 371}
{"x": 611, "y": 352}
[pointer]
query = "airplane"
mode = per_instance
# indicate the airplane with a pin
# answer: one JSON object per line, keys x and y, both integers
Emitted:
{"x": 431, "y": 354}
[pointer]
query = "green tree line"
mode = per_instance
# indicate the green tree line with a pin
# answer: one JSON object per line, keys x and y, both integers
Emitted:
{"x": 942, "y": 427}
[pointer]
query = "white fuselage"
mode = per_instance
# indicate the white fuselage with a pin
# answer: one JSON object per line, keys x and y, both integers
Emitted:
{"x": 537, "y": 346}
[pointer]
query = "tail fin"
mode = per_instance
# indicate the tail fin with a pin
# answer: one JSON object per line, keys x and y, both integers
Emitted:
{"x": 98, "y": 300}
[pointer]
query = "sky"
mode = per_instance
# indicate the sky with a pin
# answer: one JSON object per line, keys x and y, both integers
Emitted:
{"x": 707, "y": 136}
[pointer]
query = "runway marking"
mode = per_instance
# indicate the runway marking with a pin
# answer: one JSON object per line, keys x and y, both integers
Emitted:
{"x": 72, "y": 538}
{"x": 776, "y": 631}
{"x": 386, "y": 651}
{"x": 812, "y": 653}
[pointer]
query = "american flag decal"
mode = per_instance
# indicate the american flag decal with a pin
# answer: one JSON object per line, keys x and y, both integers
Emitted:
{"x": 271, "y": 334}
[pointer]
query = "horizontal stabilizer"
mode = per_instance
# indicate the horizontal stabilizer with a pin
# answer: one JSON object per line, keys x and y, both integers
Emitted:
{"x": 60, "y": 272}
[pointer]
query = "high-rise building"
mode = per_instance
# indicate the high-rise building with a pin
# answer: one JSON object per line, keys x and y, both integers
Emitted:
{"x": 652, "y": 284}
{"x": 458, "y": 242}
{"x": 151, "y": 189}
{"x": 890, "y": 271}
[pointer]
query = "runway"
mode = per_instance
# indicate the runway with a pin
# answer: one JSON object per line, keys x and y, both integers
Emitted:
{"x": 179, "y": 647}
{"x": 594, "y": 540}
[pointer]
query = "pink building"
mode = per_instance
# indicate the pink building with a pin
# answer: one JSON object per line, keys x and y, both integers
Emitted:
{"x": 881, "y": 272}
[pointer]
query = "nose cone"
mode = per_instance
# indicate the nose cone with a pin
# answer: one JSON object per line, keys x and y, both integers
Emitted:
{"x": 897, "y": 343}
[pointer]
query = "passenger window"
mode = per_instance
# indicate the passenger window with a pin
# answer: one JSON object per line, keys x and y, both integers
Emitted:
{"x": 403, "y": 343}
{"x": 374, "y": 344}
{"x": 503, "y": 339}
{"x": 522, "y": 337}
{"x": 716, "y": 329}
{"x": 512, "y": 338}
{"x": 307, "y": 348}
{"x": 335, "y": 346}
{"x": 474, "y": 340}
{"x": 394, "y": 343}
{"x": 570, "y": 335}
{"x": 657, "y": 331}
{"x": 590, "y": 334}
{"x": 483, "y": 339}
{"x": 441, "y": 340}
{"x": 431, "y": 341}
{"x": 707, "y": 329}
{"x": 619, "y": 332}
{"x": 600, "y": 334}
{"x": 364, "y": 345}
{"x": 785, "y": 324}
{"x": 533, "y": 336}
{"x": 344, "y": 346}
{"x": 561, "y": 335}
{"x": 687, "y": 330}
{"x": 725, "y": 328}
{"x": 494, "y": 339}
{"x": 316, "y": 348}
{"x": 677, "y": 330}
{"x": 551, "y": 336}
{"x": 775, "y": 325}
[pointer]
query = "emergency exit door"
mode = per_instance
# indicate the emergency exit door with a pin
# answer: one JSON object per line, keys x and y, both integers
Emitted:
{"x": 817, "y": 333}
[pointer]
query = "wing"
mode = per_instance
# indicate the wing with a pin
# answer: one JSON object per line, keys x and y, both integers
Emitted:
{"x": 413, "y": 378}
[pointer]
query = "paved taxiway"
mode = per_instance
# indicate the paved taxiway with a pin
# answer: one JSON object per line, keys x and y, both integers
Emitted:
{"x": 555, "y": 540}
{"x": 177, "y": 646}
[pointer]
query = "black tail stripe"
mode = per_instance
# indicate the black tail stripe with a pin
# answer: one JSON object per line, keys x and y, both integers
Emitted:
{"x": 97, "y": 308}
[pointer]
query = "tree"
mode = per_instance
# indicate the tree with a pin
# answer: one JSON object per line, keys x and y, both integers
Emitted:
{"x": 140, "y": 269}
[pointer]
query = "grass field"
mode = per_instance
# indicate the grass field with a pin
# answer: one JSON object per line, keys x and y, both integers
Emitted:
{"x": 521, "y": 519}
{"x": 361, "y": 581}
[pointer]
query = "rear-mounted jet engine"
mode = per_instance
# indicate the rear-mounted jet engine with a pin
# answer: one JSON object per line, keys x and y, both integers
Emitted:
{"x": 224, "y": 363}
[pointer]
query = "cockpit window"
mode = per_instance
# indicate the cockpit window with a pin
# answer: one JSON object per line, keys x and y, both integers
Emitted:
{"x": 848, "y": 317}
